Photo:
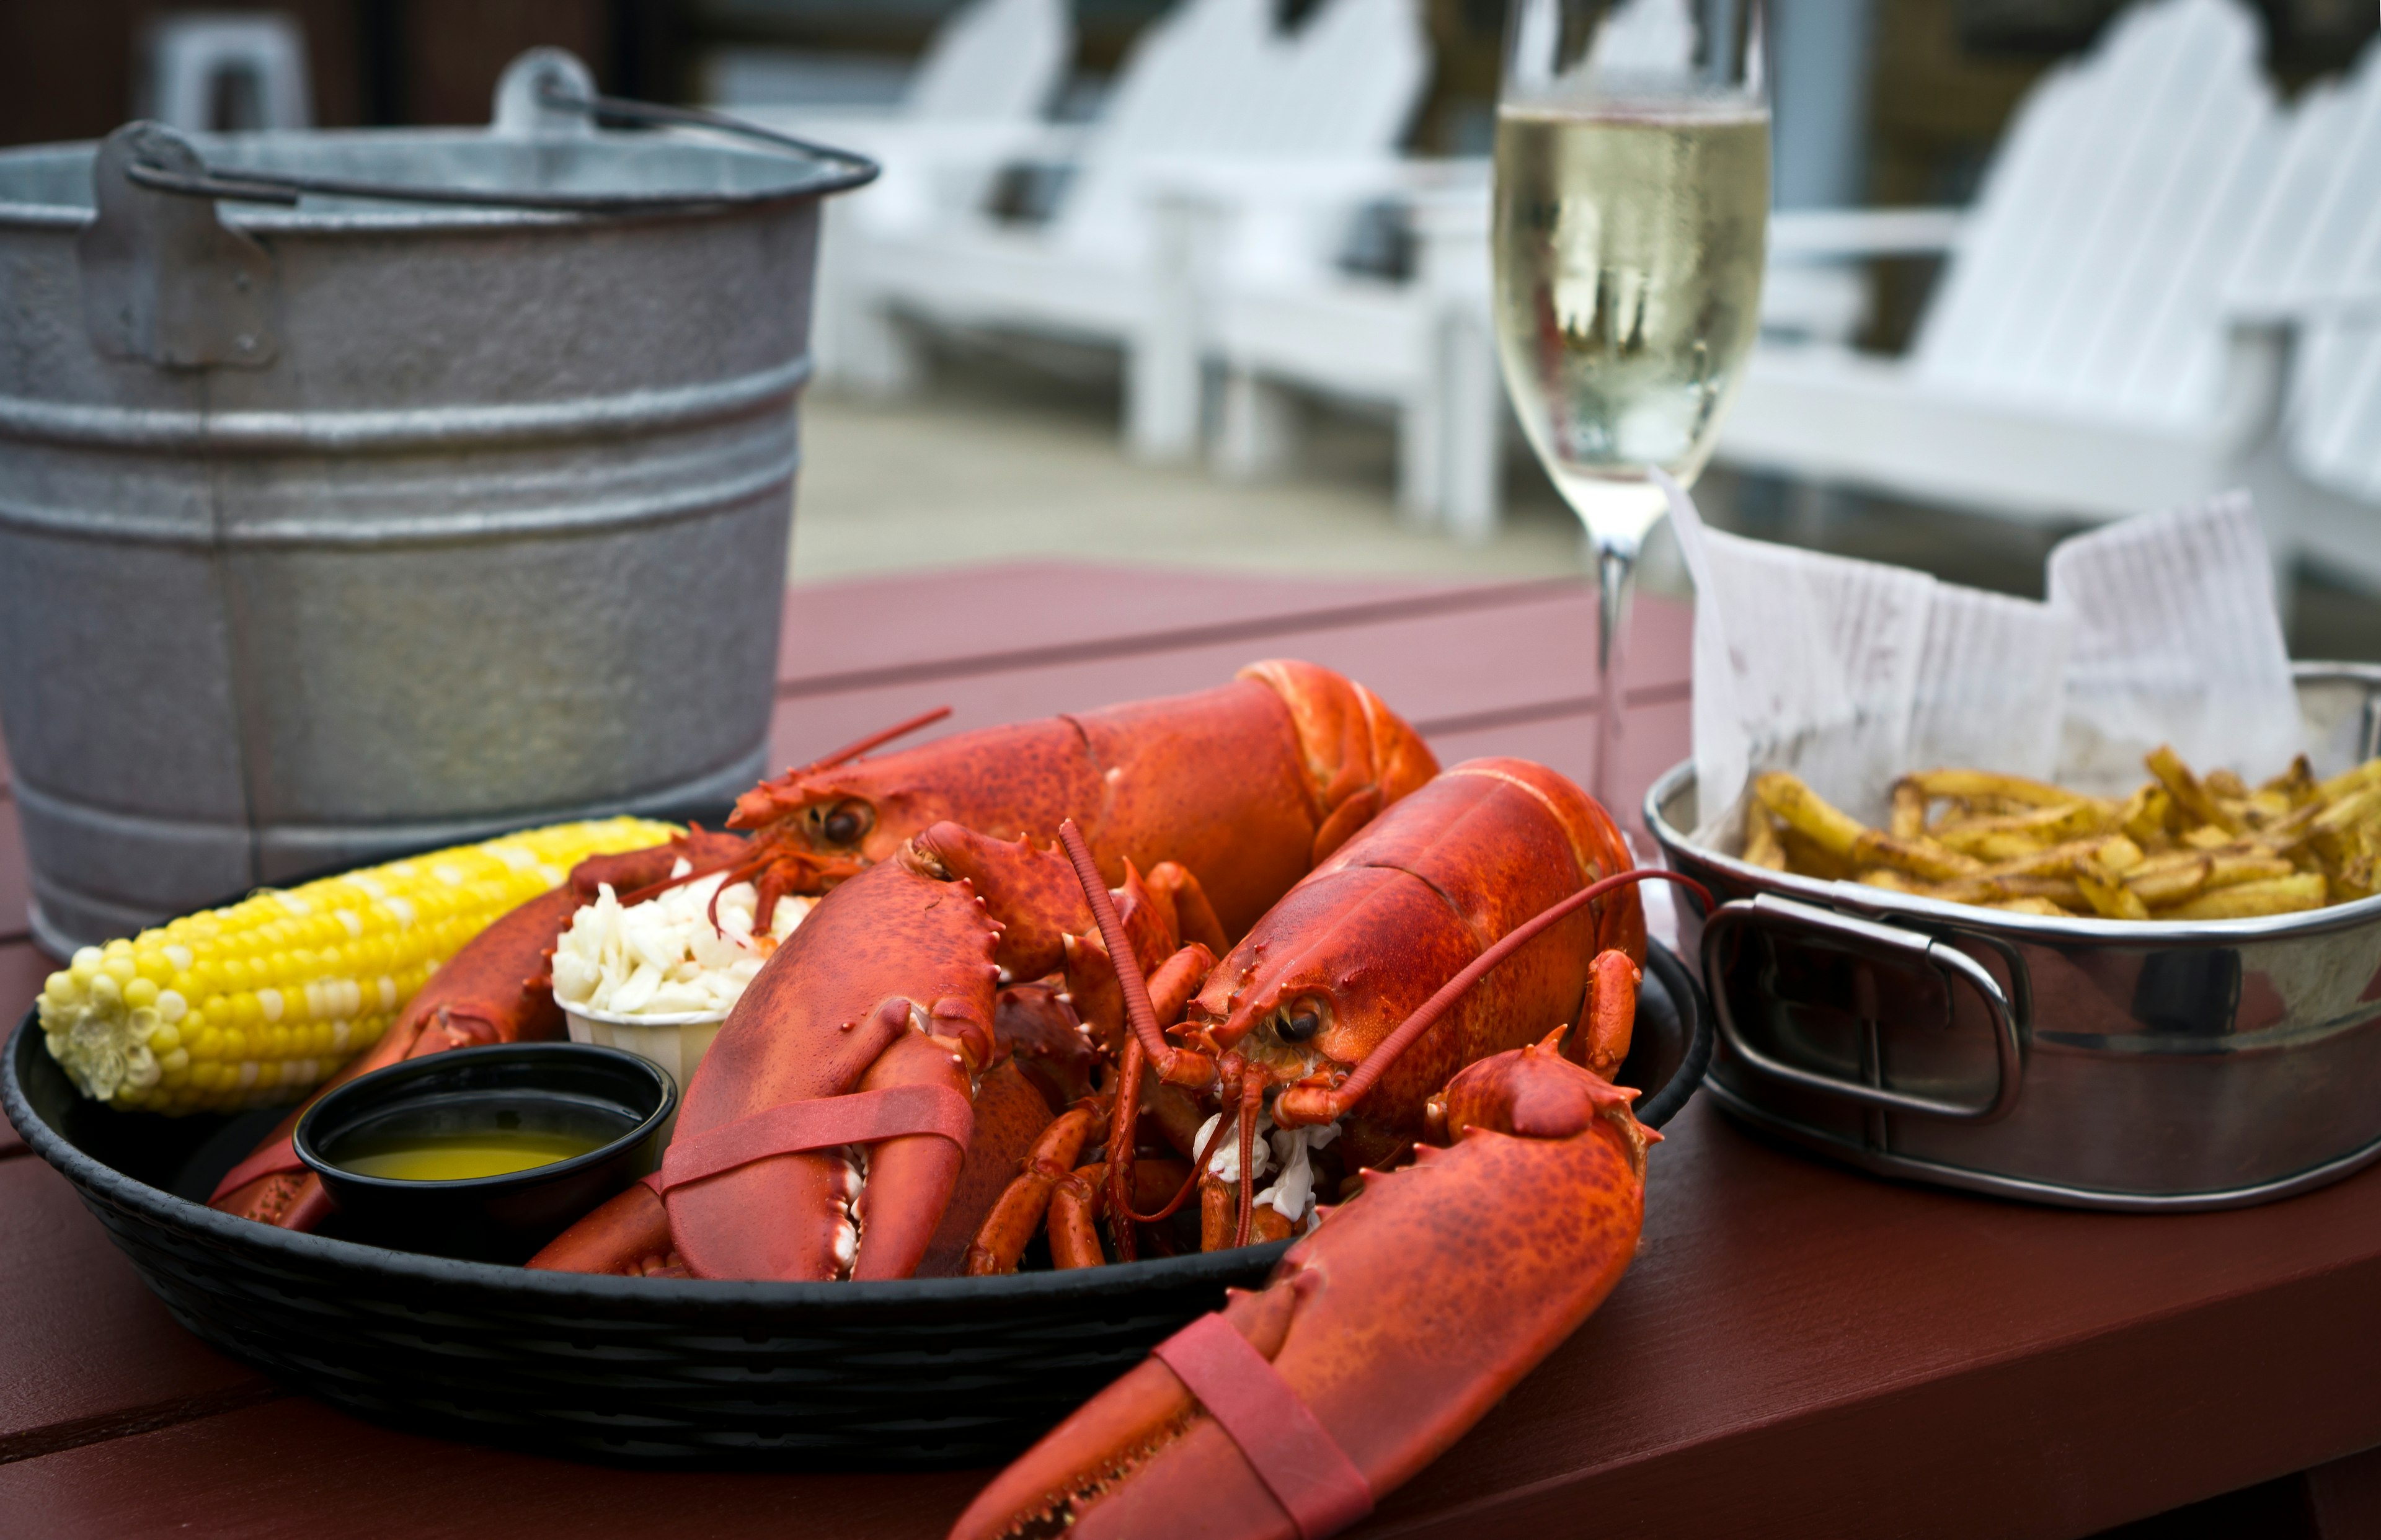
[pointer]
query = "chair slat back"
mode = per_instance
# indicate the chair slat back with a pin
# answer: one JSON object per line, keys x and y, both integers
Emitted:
{"x": 1352, "y": 82}
{"x": 2321, "y": 236}
{"x": 1217, "y": 78}
{"x": 997, "y": 60}
{"x": 2110, "y": 222}
{"x": 1190, "y": 84}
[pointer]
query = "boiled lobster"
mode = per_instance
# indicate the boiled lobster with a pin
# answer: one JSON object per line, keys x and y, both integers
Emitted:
{"x": 885, "y": 996}
{"x": 1245, "y": 785}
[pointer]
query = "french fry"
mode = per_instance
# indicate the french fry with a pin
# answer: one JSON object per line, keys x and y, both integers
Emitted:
{"x": 1761, "y": 847}
{"x": 2033, "y": 906}
{"x": 2026, "y": 834}
{"x": 2343, "y": 813}
{"x": 2248, "y": 899}
{"x": 2058, "y": 859}
{"x": 1909, "y": 808}
{"x": 2364, "y": 777}
{"x": 2296, "y": 786}
{"x": 1806, "y": 857}
{"x": 2158, "y": 885}
{"x": 2144, "y": 816}
{"x": 2118, "y": 854}
{"x": 2181, "y": 846}
{"x": 1850, "y": 841}
{"x": 2189, "y": 794}
{"x": 2229, "y": 869}
{"x": 2061, "y": 890}
{"x": 1972, "y": 784}
{"x": 2110, "y": 901}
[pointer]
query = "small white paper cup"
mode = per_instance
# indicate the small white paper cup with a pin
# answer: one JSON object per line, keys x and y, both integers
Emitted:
{"x": 676, "y": 1042}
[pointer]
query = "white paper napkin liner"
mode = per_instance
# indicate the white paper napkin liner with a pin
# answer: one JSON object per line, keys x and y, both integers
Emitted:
{"x": 1849, "y": 672}
{"x": 2158, "y": 630}
{"x": 2177, "y": 640}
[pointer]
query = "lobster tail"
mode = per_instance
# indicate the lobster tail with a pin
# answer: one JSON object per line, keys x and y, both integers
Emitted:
{"x": 1360, "y": 755}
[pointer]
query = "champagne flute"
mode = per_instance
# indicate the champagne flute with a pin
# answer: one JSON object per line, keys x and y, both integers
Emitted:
{"x": 1630, "y": 226}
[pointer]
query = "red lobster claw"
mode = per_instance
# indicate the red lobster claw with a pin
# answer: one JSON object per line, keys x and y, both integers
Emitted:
{"x": 1347, "y": 1386}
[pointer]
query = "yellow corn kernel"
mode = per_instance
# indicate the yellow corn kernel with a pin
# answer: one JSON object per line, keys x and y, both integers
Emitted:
{"x": 260, "y": 1001}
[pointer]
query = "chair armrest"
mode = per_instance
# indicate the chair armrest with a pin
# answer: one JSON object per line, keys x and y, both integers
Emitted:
{"x": 2349, "y": 301}
{"x": 934, "y": 144}
{"x": 1864, "y": 232}
{"x": 1226, "y": 183}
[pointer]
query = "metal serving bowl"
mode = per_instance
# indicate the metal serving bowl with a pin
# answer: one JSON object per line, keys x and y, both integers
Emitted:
{"x": 2092, "y": 1063}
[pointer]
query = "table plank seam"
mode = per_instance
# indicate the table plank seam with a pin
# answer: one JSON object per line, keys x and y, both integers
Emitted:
{"x": 1457, "y": 601}
{"x": 1550, "y": 710}
{"x": 127, "y": 1422}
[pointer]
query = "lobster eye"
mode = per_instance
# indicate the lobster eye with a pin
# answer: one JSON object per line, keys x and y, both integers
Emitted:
{"x": 1303, "y": 1021}
{"x": 847, "y": 822}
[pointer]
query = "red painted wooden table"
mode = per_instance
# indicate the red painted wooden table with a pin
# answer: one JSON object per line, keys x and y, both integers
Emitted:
{"x": 1798, "y": 1350}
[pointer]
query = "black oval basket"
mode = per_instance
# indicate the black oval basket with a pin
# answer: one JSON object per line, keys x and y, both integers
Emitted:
{"x": 932, "y": 1372}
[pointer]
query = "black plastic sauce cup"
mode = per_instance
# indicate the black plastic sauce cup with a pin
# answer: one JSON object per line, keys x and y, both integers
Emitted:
{"x": 617, "y": 1099}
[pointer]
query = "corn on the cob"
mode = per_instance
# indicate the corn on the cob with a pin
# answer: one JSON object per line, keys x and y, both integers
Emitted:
{"x": 260, "y": 1002}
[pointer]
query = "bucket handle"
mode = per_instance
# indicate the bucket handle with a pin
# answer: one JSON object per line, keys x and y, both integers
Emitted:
{"x": 1869, "y": 937}
{"x": 273, "y": 187}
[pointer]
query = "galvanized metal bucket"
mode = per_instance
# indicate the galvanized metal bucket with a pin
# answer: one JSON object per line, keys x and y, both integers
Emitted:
{"x": 2156, "y": 1066}
{"x": 453, "y": 495}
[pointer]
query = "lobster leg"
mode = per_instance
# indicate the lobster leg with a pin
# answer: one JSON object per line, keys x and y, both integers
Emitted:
{"x": 1021, "y": 1207}
{"x": 1547, "y": 1177}
{"x": 1611, "y": 1015}
{"x": 1009, "y": 1115}
{"x": 1075, "y": 1205}
{"x": 1168, "y": 990}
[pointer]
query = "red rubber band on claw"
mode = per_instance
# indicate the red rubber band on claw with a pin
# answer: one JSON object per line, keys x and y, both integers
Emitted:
{"x": 792, "y": 1128}
{"x": 271, "y": 1161}
{"x": 1294, "y": 1455}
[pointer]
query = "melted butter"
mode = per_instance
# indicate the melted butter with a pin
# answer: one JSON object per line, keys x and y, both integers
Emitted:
{"x": 461, "y": 1156}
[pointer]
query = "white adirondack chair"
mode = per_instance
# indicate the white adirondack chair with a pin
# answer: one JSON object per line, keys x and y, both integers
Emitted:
{"x": 2078, "y": 360}
{"x": 2314, "y": 268}
{"x": 986, "y": 76}
{"x": 1212, "y": 84}
{"x": 1421, "y": 345}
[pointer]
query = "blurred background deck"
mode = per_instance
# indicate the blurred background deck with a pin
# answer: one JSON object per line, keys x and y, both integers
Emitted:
{"x": 1008, "y": 447}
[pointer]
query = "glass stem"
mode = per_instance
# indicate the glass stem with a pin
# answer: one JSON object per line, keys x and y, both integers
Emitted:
{"x": 1616, "y": 572}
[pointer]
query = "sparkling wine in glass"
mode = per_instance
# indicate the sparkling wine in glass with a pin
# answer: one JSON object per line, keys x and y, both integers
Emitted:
{"x": 1630, "y": 226}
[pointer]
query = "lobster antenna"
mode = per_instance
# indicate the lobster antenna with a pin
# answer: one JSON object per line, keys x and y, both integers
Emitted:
{"x": 1206, "y": 1152}
{"x": 1127, "y": 967}
{"x": 873, "y": 740}
{"x": 1377, "y": 1062}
